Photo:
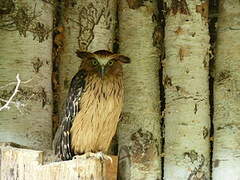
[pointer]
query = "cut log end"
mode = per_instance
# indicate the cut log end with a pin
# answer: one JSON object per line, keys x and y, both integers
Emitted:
{"x": 24, "y": 164}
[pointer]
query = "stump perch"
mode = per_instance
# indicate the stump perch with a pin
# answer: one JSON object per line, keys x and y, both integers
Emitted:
{"x": 26, "y": 164}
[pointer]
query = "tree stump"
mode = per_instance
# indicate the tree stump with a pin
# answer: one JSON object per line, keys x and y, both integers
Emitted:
{"x": 26, "y": 164}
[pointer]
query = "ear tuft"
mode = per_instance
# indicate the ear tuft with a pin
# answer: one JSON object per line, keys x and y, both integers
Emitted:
{"x": 83, "y": 54}
{"x": 123, "y": 59}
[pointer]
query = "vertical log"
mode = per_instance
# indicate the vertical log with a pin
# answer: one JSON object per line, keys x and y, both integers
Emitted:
{"x": 226, "y": 147}
{"x": 139, "y": 129}
{"x": 88, "y": 25}
{"x": 25, "y": 49}
{"x": 185, "y": 80}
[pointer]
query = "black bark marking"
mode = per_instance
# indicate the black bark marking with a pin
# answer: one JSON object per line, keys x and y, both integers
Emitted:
{"x": 195, "y": 108}
{"x": 205, "y": 132}
{"x": 125, "y": 117}
{"x": 37, "y": 64}
{"x": 229, "y": 126}
{"x": 179, "y": 6}
{"x": 178, "y": 88}
{"x": 40, "y": 31}
{"x": 144, "y": 147}
{"x": 216, "y": 163}
{"x": 222, "y": 76}
{"x": 205, "y": 62}
{"x": 89, "y": 17}
{"x": 6, "y": 7}
{"x": 167, "y": 81}
{"x": 23, "y": 19}
{"x": 26, "y": 94}
{"x": 197, "y": 173}
{"x": 193, "y": 155}
{"x": 44, "y": 97}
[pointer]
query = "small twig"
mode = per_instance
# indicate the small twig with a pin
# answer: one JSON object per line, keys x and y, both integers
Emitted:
{"x": 18, "y": 104}
{"x": 13, "y": 83}
{"x": 6, "y": 106}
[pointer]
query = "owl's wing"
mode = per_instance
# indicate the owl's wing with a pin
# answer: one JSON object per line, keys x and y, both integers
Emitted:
{"x": 62, "y": 139}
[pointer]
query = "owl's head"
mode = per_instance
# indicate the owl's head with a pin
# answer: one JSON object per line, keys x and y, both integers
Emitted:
{"x": 102, "y": 62}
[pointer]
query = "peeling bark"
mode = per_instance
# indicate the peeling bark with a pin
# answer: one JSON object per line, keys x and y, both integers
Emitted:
{"x": 26, "y": 49}
{"x": 185, "y": 78}
{"x": 203, "y": 9}
{"x": 226, "y": 148}
{"x": 139, "y": 129}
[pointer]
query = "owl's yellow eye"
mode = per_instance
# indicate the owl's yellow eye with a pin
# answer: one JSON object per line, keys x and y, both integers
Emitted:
{"x": 94, "y": 62}
{"x": 110, "y": 62}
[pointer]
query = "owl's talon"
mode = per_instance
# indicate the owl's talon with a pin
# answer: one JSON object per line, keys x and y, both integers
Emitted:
{"x": 99, "y": 155}
{"x": 102, "y": 156}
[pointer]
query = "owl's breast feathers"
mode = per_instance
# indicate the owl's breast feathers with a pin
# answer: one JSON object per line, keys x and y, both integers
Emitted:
{"x": 100, "y": 106}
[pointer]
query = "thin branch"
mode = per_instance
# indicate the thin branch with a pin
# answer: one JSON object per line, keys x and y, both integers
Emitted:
{"x": 17, "y": 104}
{"x": 6, "y": 106}
{"x": 13, "y": 83}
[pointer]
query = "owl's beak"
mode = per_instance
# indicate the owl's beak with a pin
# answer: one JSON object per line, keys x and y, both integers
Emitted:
{"x": 102, "y": 71}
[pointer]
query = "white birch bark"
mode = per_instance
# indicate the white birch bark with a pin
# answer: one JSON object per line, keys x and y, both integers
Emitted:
{"x": 88, "y": 25}
{"x": 139, "y": 129}
{"x": 185, "y": 80}
{"x": 25, "y": 49}
{"x": 226, "y": 147}
{"x": 25, "y": 164}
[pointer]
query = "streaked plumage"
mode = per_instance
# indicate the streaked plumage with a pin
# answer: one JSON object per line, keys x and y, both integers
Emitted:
{"x": 93, "y": 105}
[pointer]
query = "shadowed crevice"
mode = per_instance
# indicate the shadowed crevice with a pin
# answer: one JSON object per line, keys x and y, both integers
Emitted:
{"x": 212, "y": 19}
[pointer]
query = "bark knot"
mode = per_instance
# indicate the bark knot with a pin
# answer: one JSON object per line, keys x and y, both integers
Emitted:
{"x": 144, "y": 146}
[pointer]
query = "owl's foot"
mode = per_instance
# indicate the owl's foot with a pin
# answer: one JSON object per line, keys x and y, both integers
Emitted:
{"x": 99, "y": 155}
{"x": 102, "y": 156}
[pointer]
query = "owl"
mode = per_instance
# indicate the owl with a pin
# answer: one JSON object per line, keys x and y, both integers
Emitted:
{"x": 93, "y": 105}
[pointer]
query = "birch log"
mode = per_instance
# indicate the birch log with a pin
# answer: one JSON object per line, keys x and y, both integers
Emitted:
{"x": 88, "y": 25}
{"x": 139, "y": 129}
{"x": 226, "y": 147}
{"x": 25, "y": 49}
{"x": 24, "y": 164}
{"x": 185, "y": 80}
